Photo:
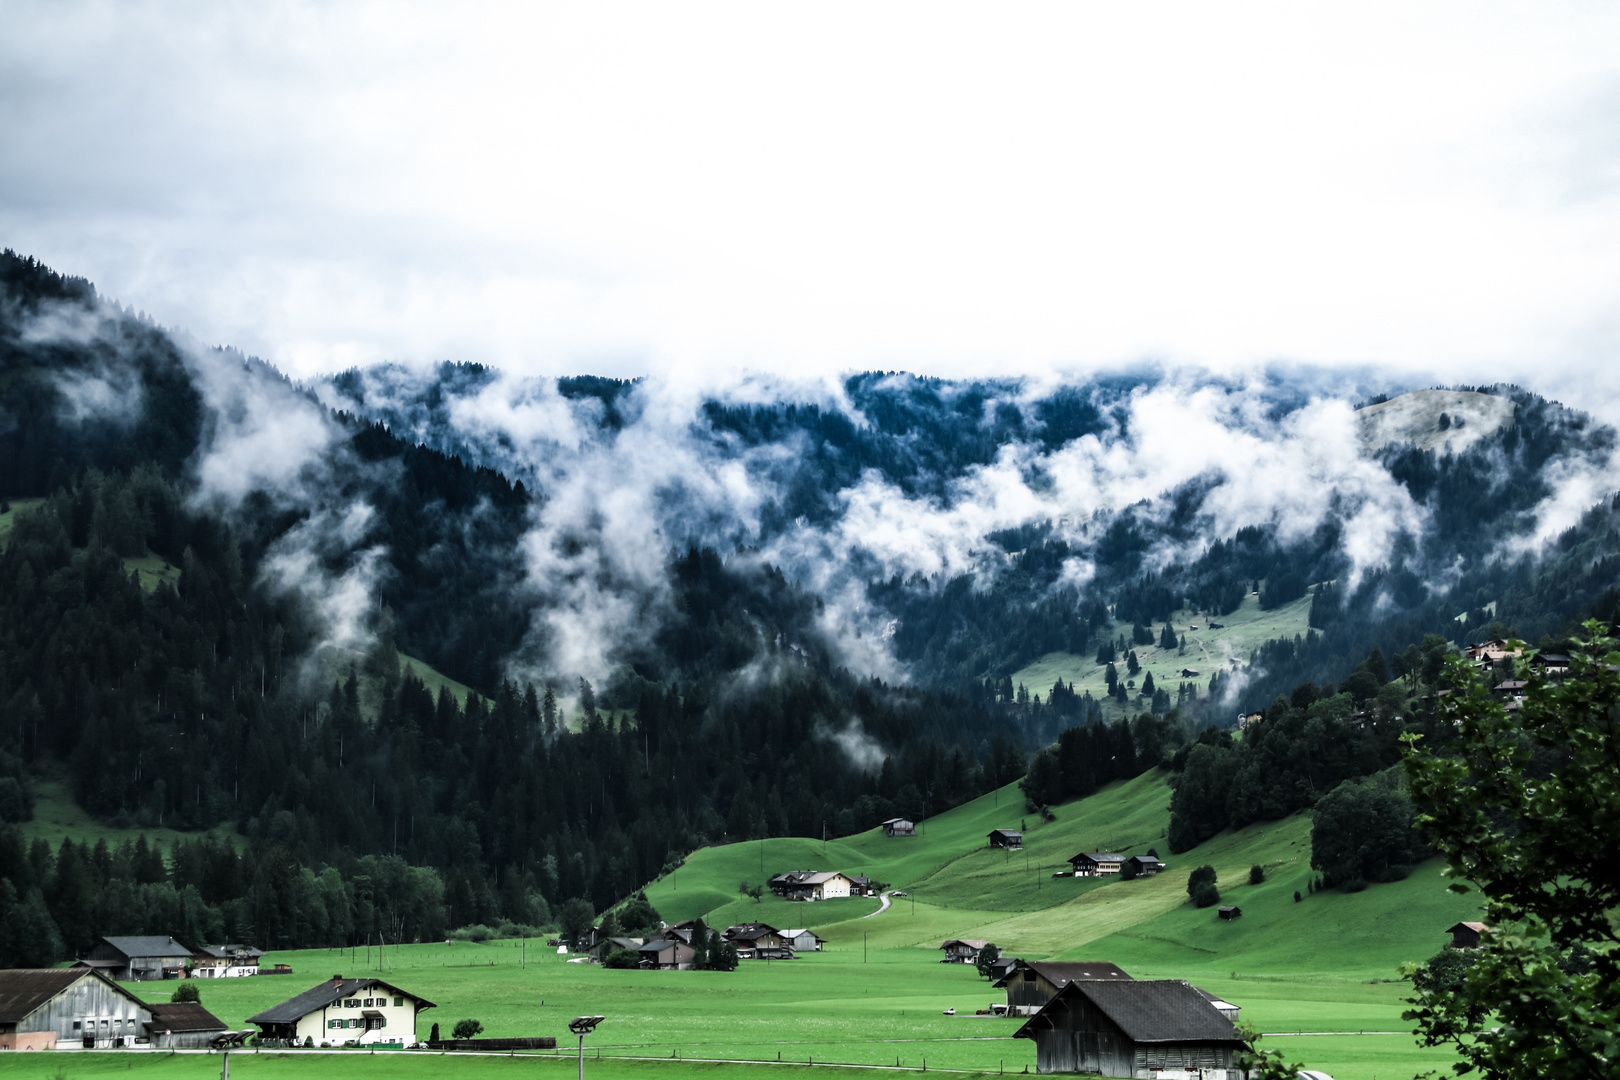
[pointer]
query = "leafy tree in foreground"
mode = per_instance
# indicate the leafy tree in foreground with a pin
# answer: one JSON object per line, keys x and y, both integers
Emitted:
{"x": 1525, "y": 805}
{"x": 987, "y": 956}
{"x": 467, "y": 1029}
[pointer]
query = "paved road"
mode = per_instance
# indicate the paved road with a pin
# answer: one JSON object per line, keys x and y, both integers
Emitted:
{"x": 883, "y": 897}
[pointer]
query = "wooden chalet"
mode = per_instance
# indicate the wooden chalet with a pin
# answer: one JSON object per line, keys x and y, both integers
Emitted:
{"x": 1466, "y": 935}
{"x": 757, "y": 941}
{"x": 666, "y": 954}
{"x": 1096, "y": 863}
{"x": 1144, "y": 865}
{"x": 609, "y": 945}
{"x": 1123, "y": 1027}
{"x": 1011, "y": 839}
{"x": 1228, "y": 912}
{"x": 138, "y": 957}
{"x": 1031, "y": 984}
{"x": 812, "y": 885}
{"x": 225, "y": 961}
{"x": 363, "y": 1011}
{"x": 899, "y": 826}
{"x": 860, "y": 885}
{"x": 962, "y": 950}
{"x": 51, "y": 1008}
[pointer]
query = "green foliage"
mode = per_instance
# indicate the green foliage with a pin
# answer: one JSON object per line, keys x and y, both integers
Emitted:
{"x": 575, "y": 920}
{"x": 987, "y": 956}
{"x": 186, "y": 991}
{"x": 467, "y": 1029}
{"x": 1205, "y": 895}
{"x": 1523, "y": 805}
{"x": 1257, "y": 875}
{"x": 1362, "y": 832}
{"x": 622, "y": 958}
{"x": 1203, "y": 875}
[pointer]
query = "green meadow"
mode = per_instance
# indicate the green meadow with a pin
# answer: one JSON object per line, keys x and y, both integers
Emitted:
{"x": 1203, "y": 650}
{"x": 1314, "y": 974}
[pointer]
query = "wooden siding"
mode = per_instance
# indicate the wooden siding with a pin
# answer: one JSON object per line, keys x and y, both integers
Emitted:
{"x": 1081, "y": 1039}
{"x": 103, "y": 1013}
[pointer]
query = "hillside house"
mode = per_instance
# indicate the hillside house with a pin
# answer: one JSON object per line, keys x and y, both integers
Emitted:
{"x": 1010, "y": 839}
{"x": 1032, "y": 984}
{"x": 757, "y": 941}
{"x": 1189, "y": 673}
{"x": 1001, "y": 967}
{"x": 1144, "y": 865}
{"x": 1491, "y": 653}
{"x": 137, "y": 958}
{"x": 186, "y": 1025}
{"x": 1466, "y": 935}
{"x": 1228, "y": 912}
{"x": 225, "y": 961}
{"x": 367, "y": 1012}
{"x": 962, "y": 950}
{"x": 1096, "y": 863}
{"x": 1550, "y": 664}
{"x": 1161, "y": 1028}
{"x": 812, "y": 885}
{"x": 666, "y": 954}
{"x": 51, "y": 1008}
{"x": 899, "y": 826}
{"x": 801, "y": 940}
{"x": 863, "y": 886}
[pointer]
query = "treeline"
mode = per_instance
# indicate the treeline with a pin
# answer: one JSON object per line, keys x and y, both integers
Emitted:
{"x": 56, "y": 904}
{"x": 1088, "y": 756}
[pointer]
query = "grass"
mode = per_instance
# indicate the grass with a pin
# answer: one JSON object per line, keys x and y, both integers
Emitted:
{"x": 436, "y": 681}
{"x": 1204, "y": 650}
{"x": 153, "y": 570}
{"x": 57, "y": 816}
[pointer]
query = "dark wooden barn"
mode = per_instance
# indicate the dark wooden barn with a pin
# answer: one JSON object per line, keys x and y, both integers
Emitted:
{"x": 1031, "y": 984}
{"x": 1122, "y": 1027}
{"x": 1006, "y": 838}
{"x": 1465, "y": 935}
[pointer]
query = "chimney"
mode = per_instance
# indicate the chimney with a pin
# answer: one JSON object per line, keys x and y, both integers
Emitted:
{"x": 337, "y": 980}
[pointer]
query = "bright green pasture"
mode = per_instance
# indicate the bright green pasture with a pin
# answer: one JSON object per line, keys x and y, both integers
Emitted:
{"x": 8, "y": 518}
{"x": 56, "y": 816}
{"x": 1204, "y": 650}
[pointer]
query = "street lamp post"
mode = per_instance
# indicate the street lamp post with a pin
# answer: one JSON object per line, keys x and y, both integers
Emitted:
{"x": 583, "y": 1026}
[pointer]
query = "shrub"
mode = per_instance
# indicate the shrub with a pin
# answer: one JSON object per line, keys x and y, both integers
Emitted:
{"x": 622, "y": 958}
{"x": 1201, "y": 876}
{"x": 1205, "y": 895}
{"x": 466, "y": 1029}
{"x": 1297, "y": 897}
{"x": 1257, "y": 874}
{"x": 186, "y": 991}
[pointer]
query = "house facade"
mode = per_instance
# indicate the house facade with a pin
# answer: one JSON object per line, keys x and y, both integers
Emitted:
{"x": 757, "y": 941}
{"x": 1011, "y": 839}
{"x": 1466, "y": 935}
{"x": 79, "y": 1007}
{"x": 225, "y": 961}
{"x": 899, "y": 826}
{"x": 138, "y": 958}
{"x": 812, "y": 885}
{"x": 1096, "y": 863}
{"x": 666, "y": 954}
{"x": 1144, "y": 865}
{"x": 1161, "y": 1028}
{"x": 363, "y": 1011}
{"x": 962, "y": 950}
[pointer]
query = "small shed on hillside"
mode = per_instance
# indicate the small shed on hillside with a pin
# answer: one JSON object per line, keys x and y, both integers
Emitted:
{"x": 899, "y": 826}
{"x": 802, "y": 940}
{"x": 1010, "y": 839}
{"x": 1228, "y": 912}
{"x": 1466, "y": 935}
{"x": 1143, "y": 865}
{"x": 1129, "y": 1028}
{"x": 666, "y": 954}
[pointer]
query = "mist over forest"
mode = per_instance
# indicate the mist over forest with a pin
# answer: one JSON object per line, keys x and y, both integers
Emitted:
{"x": 691, "y": 614}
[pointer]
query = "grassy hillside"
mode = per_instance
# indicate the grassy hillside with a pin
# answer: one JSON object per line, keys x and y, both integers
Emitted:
{"x": 1204, "y": 650}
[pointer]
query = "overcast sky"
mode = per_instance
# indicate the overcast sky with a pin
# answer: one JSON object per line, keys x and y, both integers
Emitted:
{"x": 949, "y": 189}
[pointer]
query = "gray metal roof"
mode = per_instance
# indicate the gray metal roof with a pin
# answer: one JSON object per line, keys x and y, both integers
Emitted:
{"x": 149, "y": 945}
{"x": 318, "y": 997}
{"x": 1147, "y": 1011}
{"x": 231, "y": 952}
{"x": 1062, "y": 973}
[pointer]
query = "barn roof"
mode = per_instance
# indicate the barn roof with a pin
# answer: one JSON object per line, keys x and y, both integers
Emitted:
{"x": 22, "y": 990}
{"x": 184, "y": 1016}
{"x": 231, "y": 952}
{"x": 1147, "y": 1011}
{"x": 972, "y": 943}
{"x": 149, "y": 945}
{"x": 1061, "y": 974}
{"x": 1477, "y": 927}
{"x": 316, "y": 997}
{"x": 1098, "y": 856}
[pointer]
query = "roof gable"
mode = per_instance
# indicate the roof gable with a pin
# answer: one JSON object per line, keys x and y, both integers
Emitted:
{"x": 23, "y": 990}
{"x": 148, "y": 945}
{"x": 319, "y": 997}
{"x": 1147, "y": 1011}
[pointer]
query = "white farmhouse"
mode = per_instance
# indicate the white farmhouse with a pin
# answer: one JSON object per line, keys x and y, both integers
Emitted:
{"x": 368, "y": 1012}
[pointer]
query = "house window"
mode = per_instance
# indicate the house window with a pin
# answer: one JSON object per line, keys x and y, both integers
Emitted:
{"x": 330, "y": 1024}
{"x": 399, "y": 1002}
{"x": 77, "y": 1024}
